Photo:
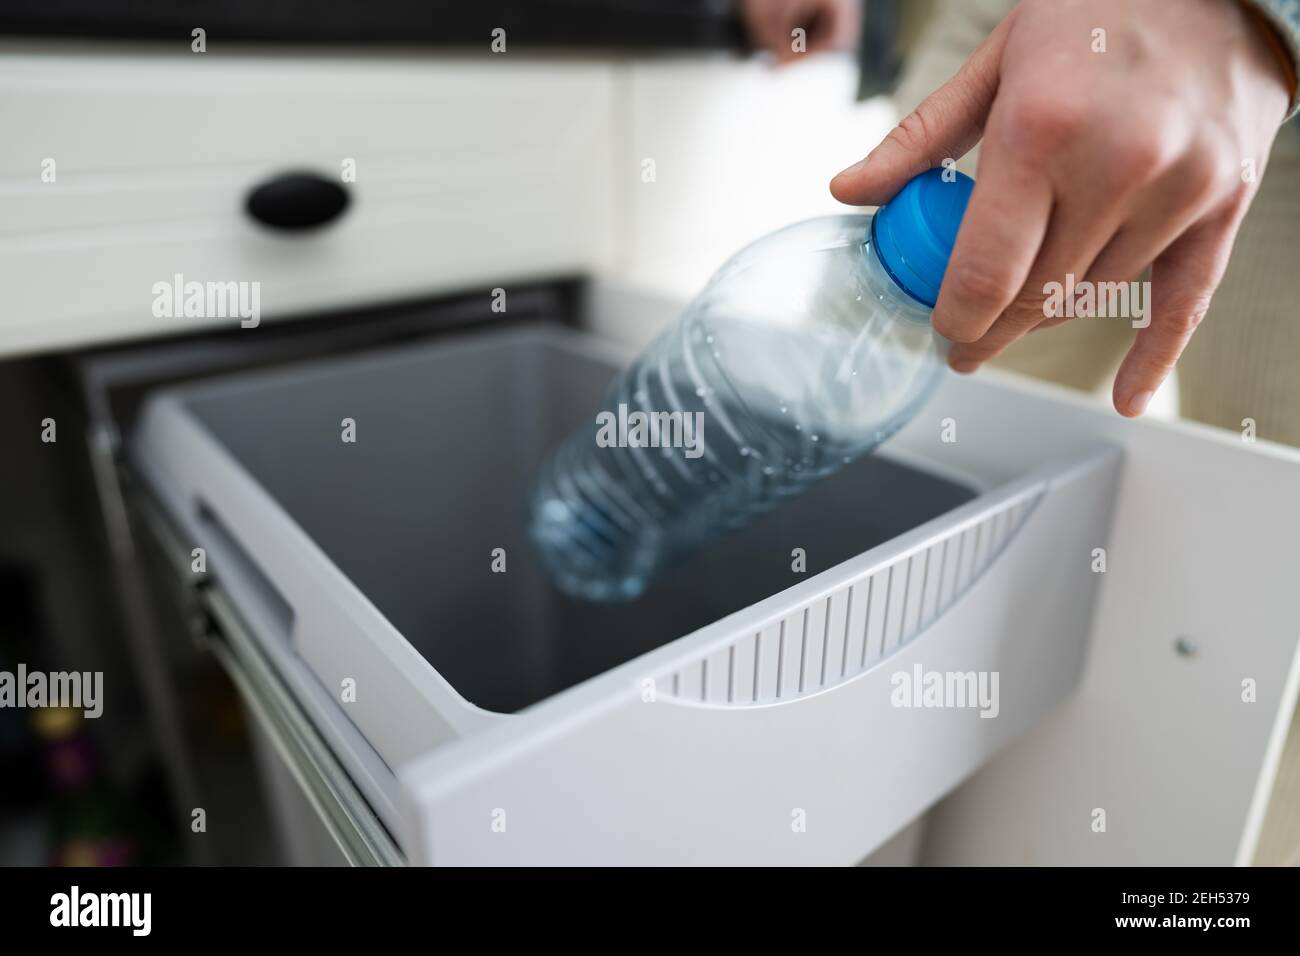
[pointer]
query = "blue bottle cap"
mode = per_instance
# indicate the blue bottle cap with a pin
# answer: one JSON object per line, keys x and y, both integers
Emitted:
{"x": 914, "y": 232}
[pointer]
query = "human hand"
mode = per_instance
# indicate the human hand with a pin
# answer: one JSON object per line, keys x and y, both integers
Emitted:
{"x": 1095, "y": 165}
{"x": 829, "y": 25}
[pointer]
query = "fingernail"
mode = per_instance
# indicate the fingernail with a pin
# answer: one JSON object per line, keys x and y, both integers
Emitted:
{"x": 1139, "y": 402}
{"x": 963, "y": 366}
{"x": 850, "y": 170}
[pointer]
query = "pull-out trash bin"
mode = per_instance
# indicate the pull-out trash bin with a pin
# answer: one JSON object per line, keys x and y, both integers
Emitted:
{"x": 795, "y": 692}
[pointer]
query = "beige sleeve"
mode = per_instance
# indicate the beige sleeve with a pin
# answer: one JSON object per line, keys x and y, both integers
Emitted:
{"x": 954, "y": 30}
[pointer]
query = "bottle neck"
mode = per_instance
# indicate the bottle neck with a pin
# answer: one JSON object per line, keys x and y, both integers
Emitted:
{"x": 881, "y": 284}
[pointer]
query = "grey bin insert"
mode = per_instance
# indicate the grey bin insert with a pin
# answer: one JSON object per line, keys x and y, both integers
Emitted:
{"x": 448, "y": 439}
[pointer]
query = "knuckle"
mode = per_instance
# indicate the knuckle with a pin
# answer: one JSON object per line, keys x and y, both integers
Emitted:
{"x": 1137, "y": 155}
{"x": 1240, "y": 196}
{"x": 1207, "y": 174}
{"x": 912, "y": 132}
{"x": 1226, "y": 171}
{"x": 1041, "y": 123}
{"x": 1028, "y": 307}
{"x": 1187, "y": 315}
{"x": 1199, "y": 176}
{"x": 945, "y": 326}
{"x": 981, "y": 286}
{"x": 988, "y": 347}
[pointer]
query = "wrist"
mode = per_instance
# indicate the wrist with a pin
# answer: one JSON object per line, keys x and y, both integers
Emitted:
{"x": 1280, "y": 47}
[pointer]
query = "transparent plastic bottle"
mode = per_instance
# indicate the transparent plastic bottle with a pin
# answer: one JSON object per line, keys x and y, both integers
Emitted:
{"x": 806, "y": 350}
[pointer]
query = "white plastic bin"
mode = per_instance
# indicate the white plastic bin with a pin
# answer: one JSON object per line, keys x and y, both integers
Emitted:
{"x": 740, "y": 711}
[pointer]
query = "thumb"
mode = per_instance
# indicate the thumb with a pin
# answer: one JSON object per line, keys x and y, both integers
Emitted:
{"x": 947, "y": 124}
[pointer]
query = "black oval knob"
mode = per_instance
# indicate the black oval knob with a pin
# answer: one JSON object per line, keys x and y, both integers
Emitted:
{"x": 298, "y": 200}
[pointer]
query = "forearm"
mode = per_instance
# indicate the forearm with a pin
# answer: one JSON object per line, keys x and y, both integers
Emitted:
{"x": 1280, "y": 21}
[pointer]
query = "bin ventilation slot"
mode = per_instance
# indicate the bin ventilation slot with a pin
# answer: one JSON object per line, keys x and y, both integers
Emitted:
{"x": 832, "y": 639}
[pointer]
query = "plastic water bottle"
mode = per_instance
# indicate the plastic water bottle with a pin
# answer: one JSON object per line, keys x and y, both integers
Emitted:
{"x": 806, "y": 350}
